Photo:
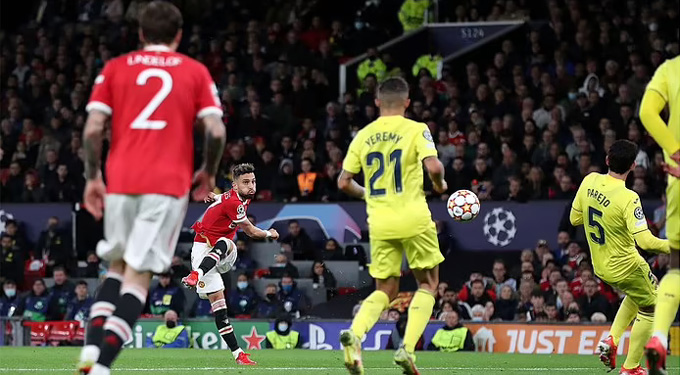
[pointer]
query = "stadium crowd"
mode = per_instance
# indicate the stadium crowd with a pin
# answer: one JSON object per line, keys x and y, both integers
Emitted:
{"x": 527, "y": 125}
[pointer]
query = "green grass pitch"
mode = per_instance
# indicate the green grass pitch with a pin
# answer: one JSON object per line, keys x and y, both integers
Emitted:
{"x": 32, "y": 360}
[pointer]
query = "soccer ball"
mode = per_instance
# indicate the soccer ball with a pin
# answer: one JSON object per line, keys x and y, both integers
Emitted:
{"x": 463, "y": 205}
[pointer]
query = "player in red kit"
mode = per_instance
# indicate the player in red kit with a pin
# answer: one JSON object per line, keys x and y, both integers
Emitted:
{"x": 153, "y": 98}
{"x": 214, "y": 251}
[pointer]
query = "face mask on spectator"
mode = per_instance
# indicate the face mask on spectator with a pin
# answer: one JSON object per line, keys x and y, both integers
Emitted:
{"x": 242, "y": 284}
{"x": 572, "y": 96}
{"x": 287, "y": 288}
{"x": 271, "y": 296}
{"x": 283, "y": 327}
{"x": 10, "y": 292}
{"x": 171, "y": 324}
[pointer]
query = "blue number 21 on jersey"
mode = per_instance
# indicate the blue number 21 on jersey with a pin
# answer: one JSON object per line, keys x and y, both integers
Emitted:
{"x": 379, "y": 158}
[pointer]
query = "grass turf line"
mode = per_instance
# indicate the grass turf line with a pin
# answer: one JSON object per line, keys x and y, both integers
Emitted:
{"x": 32, "y": 360}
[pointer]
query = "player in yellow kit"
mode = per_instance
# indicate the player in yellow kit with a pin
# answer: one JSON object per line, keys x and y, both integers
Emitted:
{"x": 391, "y": 152}
{"x": 614, "y": 222}
{"x": 664, "y": 88}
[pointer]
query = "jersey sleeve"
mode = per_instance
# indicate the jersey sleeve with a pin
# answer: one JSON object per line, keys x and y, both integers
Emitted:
{"x": 659, "y": 81}
{"x": 352, "y": 162}
{"x": 102, "y": 98}
{"x": 634, "y": 215}
{"x": 208, "y": 103}
{"x": 234, "y": 210}
{"x": 425, "y": 144}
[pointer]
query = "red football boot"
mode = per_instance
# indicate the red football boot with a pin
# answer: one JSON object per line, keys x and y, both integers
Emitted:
{"x": 190, "y": 280}
{"x": 636, "y": 371}
{"x": 244, "y": 359}
{"x": 656, "y": 357}
{"x": 607, "y": 351}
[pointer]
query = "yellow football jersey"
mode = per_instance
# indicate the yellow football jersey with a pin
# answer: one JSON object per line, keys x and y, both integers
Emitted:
{"x": 611, "y": 215}
{"x": 667, "y": 83}
{"x": 390, "y": 151}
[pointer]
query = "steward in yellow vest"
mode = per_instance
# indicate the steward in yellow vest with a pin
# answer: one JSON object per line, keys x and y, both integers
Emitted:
{"x": 169, "y": 335}
{"x": 412, "y": 14}
{"x": 429, "y": 62}
{"x": 283, "y": 337}
{"x": 453, "y": 336}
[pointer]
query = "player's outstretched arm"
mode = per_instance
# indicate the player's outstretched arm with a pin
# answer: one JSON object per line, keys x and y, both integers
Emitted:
{"x": 435, "y": 169}
{"x": 350, "y": 187}
{"x": 93, "y": 137}
{"x": 254, "y": 232}
{"x": 215, "y": 138}
{"x": 650, "y": 108}
{"x": 647, "y": 241}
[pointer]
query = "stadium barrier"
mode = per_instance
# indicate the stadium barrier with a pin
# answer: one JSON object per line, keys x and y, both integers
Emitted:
{"x": 524, "y": 338}
{"x": 500, "y": 225}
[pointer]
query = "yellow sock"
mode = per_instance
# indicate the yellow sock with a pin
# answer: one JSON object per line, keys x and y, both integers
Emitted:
{"x": 419, "y": 313}
{"x": 624, "y": 316}
{"x": 369, "y": 313}
{"x": 639, "y": 335}
{"x": 667, "y": 300}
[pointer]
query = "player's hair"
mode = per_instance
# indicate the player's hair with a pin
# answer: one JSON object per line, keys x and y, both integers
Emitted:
{"x": 622, "y": 154}
{"x": 392, "y": 92}
{"x": 240, "y": 169}
{"x": 160, "y": 22}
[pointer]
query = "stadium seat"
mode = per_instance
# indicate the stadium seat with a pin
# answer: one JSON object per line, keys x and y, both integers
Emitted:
{"x": 39, "y": 332}
{"x": 62, "y": 332}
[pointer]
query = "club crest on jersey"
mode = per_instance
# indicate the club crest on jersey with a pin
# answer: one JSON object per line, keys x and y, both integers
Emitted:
{"x": 639, "y": 214}
{"x": 427, "y": 135}
{"x": 201, "y": 284}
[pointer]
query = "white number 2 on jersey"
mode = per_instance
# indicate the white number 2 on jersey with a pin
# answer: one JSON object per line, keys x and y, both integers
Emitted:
{"x": 142, "y": 121}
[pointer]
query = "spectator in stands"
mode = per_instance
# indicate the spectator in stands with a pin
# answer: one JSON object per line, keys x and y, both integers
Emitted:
{"x": 54, "y": 245}
{"x": 506, "y": 304}
{"x": 298, "y": 242}
{"x": 36, "y": 306}
{"x": 660, "y": 217}
{"x": 309, "y": 182}
{"x": 18, "y": 237}
{"x": 269, "y": 306}
{"x": 93, "y": 269}
{"x": 478, "y": 296}
{"x": 573, "y": 316}
{"x": 332, "y": 251}
{"x": 564, "y": 303}
{"x": 292, "y": 299}
{"x": 576, "y": 255}
{"x": 79, "y": 307}
{"x": 453, "y": 336}
{"x": 167, "y": 295}
{"x": 562, "y": 252}
{"x": 11, "y": 260}
{"x": 62, "y": 291}
{"x": 171, "y": 334}
{"x": 9, "y": 299}
{"x": 322, "y": 277}
{"x": 11, "y": 190}
{"x": 62, "y": 188}
{"x": 243, "y": 299}
{"x": 501, "y": 278}
{"x": 32, "y": 192}
{"x": 285, "y": 184}
{"x": 537, "y": 308}
{"x": 244, "y": 262}
{"x": 441, "y": 289}
{"x": 592, "y": 301}
{"x": 551, "y": 312}
{"x": 282, "y": 266}
{"x": 178, "y": 268}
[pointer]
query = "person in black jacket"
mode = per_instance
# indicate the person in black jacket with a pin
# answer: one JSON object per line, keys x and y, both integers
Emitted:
{"x": 62, "y": 292}
{"x": 322, "y": 277}
{"x": 298, "y": 242}
{"x": 592, "y": 301}
{"x": 332, "y": 251}
{"x": 397, "y": 336}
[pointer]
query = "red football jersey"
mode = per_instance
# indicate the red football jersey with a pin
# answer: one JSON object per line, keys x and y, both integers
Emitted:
{"x": 153, "y": 97}
{"x": 221, "y": 218}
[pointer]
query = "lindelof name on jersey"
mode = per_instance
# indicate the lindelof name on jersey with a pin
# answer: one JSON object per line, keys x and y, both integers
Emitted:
{"x": 154, "y": 60}
{"x": 599, "y": 197}
{"x": 383, "y": 137}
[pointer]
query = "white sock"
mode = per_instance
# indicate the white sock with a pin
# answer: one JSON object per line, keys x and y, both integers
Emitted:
{"x": 662, "y": 337}
{"x": 98, "y": 369}
{"x": 200, "y": 273}
{"x": 236, "y": 352}
{"x": 90, "y": 353}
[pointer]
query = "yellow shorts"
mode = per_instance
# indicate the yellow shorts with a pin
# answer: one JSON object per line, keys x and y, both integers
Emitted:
{"x": 422, "y": 252}
{"x": 673, "y": 212}
{"x": 639, "y": 285}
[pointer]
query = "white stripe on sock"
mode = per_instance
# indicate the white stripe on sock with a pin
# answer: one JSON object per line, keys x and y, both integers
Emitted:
{"x": 101, "y": 308}
{"x": 120, "y": 327}
{"x": 135, "y": 291}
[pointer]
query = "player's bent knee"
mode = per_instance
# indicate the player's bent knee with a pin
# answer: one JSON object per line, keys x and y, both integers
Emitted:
{"x": 223, "y": 246}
